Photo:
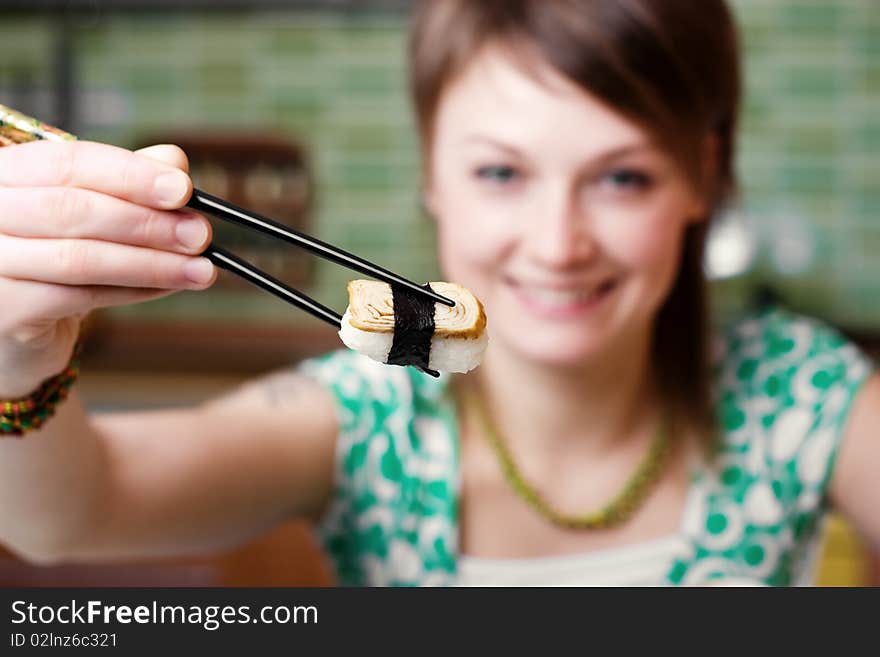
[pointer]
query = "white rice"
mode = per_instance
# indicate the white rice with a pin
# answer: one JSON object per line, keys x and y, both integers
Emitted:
{"x": 447, "y": 354}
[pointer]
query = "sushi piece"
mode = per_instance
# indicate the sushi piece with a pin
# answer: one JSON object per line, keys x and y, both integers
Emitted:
{"x": 392, "y": 325}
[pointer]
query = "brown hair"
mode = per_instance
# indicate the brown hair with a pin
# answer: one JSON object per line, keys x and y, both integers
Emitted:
{"x": 672, "y": 66}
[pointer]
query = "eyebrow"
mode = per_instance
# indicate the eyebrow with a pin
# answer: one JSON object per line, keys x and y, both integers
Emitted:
{"x": 613, "y": 154}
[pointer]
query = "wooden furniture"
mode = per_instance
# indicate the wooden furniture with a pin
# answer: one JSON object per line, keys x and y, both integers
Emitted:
{"x": 266, "y": 173}
{"x": 286, "y": 556}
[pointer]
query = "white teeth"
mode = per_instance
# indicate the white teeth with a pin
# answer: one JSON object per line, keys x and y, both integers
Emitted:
{"x": 558, "y": 297}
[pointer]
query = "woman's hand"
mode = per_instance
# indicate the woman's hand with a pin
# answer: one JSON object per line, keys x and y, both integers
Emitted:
{"x": 83, "y": 226}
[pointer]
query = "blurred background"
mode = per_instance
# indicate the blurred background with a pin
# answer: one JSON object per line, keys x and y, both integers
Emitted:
{"x": 299, "y": 110}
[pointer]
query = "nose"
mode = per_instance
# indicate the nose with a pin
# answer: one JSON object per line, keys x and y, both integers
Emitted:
{"x": 560, "y": 235}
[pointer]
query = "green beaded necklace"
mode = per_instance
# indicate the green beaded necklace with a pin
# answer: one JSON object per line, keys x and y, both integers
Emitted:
{"x": 616, "y": 512}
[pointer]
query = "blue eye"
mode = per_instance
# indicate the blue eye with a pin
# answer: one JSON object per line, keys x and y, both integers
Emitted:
{"x": 628, "y": 179}
{"x": 497, "y": 174}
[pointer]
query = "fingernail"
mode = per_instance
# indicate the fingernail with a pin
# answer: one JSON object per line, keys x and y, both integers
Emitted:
{"x": 199, "y": 271}
{"x": 192, "y": 233}
{"x": 171, "y": 188}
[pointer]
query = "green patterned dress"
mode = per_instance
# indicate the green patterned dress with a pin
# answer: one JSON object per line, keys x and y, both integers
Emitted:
{"x": 783, "y": 387}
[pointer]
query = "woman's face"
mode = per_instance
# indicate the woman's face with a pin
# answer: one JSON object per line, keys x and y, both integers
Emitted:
{"x": 561, "y": 215}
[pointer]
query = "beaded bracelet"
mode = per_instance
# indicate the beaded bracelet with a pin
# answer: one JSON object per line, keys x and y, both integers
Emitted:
{"x": 21, "y": 416}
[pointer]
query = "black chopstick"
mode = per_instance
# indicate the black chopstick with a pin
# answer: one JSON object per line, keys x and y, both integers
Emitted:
{"x": 232, "y": 263}
{"x": 204, "y": 202}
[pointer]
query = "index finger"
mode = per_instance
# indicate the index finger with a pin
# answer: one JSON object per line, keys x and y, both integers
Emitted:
{"x": 98, "y": 167}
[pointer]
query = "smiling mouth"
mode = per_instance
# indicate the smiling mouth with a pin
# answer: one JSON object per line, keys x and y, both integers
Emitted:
{"x": 562, "y": 302}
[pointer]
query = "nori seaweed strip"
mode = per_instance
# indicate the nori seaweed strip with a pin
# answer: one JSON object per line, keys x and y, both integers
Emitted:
{"x": 413, "y": 329}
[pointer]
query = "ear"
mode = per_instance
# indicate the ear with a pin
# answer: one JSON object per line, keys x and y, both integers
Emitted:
{"x": 704, "y": 196}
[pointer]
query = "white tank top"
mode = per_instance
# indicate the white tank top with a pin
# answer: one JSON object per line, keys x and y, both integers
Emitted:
{"x": 643, "y": 564}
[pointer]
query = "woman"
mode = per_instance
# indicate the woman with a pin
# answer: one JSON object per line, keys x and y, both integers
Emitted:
{"x": 574, "y": 153}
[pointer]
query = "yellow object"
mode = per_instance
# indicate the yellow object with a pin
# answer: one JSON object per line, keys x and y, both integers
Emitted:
{"x": 844, "y": 559}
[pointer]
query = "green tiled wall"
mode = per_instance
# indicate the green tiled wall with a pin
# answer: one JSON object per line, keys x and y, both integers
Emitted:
{"x": 810, "y": 149}
{"x": 809, "y": 155}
